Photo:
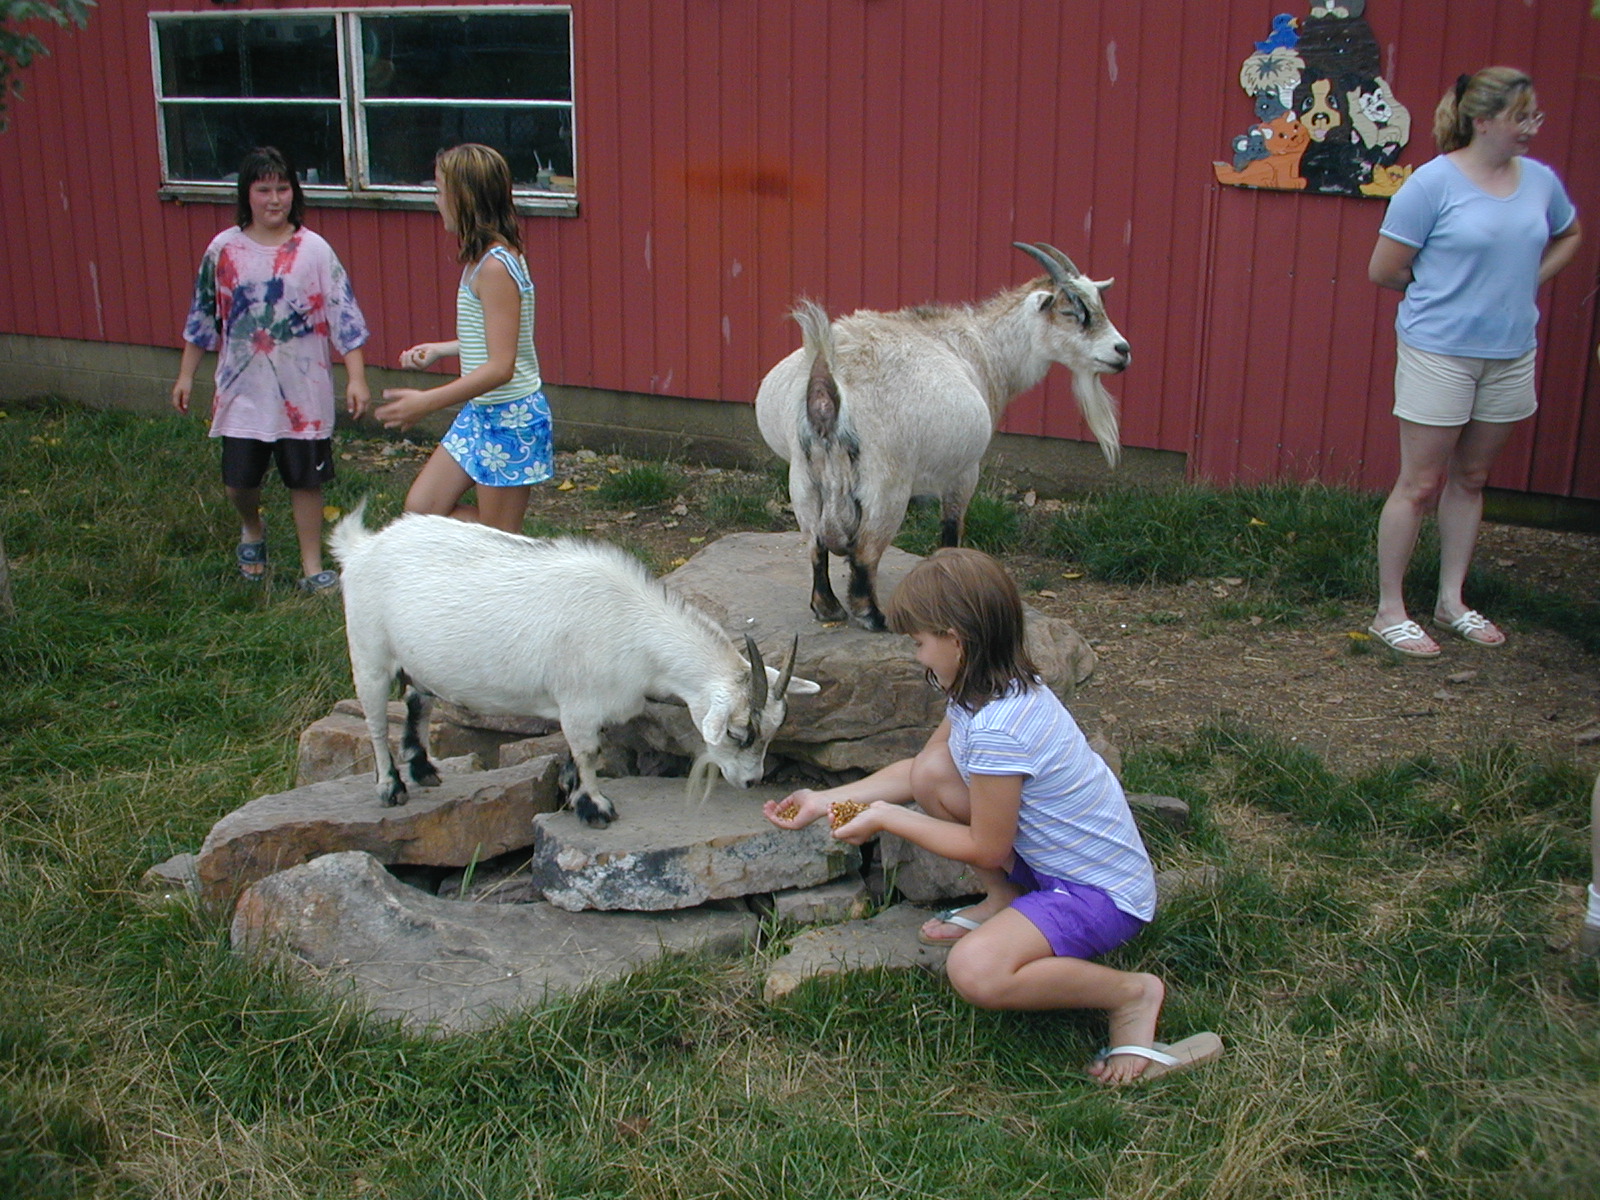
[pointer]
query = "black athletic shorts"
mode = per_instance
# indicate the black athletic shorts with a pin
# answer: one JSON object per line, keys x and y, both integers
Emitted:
{"x": 301, "y": 463}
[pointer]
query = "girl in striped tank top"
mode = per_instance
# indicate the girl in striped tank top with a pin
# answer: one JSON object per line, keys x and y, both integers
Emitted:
{"x": 499, "y": 443}
{"x": 1009, "y": 785}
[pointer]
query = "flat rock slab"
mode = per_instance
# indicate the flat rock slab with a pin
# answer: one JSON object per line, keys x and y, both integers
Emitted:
{"x": 471, "y": 816}
{"x": 665, "y": 851}
{"x": 339, "y": 744}
{"x": 445, "y": 966}
{"x": 886, "y": 940}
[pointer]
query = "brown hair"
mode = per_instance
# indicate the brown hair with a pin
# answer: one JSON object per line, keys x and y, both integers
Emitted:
{"x": 478, "y": 182}
{"x": 1489, "y": 93}
{"x": 968, "y": 594}
{"x": 268, "y": 162}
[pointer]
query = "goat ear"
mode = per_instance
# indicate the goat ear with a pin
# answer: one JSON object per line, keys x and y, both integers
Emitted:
{"x": 1103, "y": 284}
{"x": 714, "y": 725}
{"x": 1043, "y": 301}
{"x": 802, "y": 687}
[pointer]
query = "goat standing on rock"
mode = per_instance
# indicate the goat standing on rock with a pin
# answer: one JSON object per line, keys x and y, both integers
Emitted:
{"x": 879, "y": 407}
{"x": 562, "y": 628}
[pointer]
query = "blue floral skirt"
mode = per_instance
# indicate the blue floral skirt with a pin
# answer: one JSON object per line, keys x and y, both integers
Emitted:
{"x": 505, "y": 444}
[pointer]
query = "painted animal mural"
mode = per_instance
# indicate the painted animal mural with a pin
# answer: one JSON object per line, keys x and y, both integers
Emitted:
{"x": 1319, "y": 73}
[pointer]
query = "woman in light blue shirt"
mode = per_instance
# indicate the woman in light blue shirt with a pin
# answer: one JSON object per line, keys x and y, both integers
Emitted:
{"x": 1468, "y": 239}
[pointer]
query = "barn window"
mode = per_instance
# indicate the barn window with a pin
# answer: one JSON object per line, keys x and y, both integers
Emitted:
{"x": 361, "y": 99}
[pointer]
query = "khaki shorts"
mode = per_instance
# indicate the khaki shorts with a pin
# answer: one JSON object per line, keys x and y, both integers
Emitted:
{"x": 1440, "y": 389}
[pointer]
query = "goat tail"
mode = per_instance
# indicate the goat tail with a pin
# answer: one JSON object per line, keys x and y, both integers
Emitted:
{"x": 703, "y": 776}
{"x": 1100, "y": 412}
{"x": 826, "y": 439}
{"x": 349, "y": 534}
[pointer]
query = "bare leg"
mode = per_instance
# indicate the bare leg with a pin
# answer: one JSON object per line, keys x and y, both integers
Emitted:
{"x": 1461, "y": 512}
{"x": 1589, "y": 938}
{"x": 1425, "y": 451}
{"x": 503, "y": 507}
{"x": 438, "y": 488}
{"x": 306, "y": 504}
{"x": 247, "y": 503}
{"x": 1008, "y": 964}
{"x": 939, "y": 791}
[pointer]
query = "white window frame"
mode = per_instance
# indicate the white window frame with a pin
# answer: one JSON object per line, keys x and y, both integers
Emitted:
{"x": 352, "y": 102}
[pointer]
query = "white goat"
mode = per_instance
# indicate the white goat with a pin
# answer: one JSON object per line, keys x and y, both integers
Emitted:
{"x": 879, "y": 407}
{"x": 565, "y": 629}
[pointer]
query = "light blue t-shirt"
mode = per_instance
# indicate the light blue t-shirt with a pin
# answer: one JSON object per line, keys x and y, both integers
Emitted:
{"x": 1074, "y": 821}
{"x": 1476, "y": 273}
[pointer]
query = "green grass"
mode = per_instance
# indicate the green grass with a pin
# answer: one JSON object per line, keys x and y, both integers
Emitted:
{"x": 642, "y": 486}
{"x": 1372, "y": 947}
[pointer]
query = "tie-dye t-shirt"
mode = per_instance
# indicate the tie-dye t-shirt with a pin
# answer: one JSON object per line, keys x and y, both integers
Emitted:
{"x": 272, "y": 313}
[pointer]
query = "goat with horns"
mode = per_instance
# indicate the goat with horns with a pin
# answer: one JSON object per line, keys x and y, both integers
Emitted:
{"x": 876, "y": 408}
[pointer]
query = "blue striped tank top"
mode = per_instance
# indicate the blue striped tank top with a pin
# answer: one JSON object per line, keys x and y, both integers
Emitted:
{"x": 525, "y": 379}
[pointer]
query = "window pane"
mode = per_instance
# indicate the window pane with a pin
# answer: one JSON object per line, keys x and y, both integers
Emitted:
{"x": 402, "y": 140}
{"x": 208, "y": 141}
{"x": 471, "y": 56}
{"x": 275, "y": 57}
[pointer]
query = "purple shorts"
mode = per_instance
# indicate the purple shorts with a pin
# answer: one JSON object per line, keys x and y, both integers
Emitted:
{"x": 1077, "y": 920}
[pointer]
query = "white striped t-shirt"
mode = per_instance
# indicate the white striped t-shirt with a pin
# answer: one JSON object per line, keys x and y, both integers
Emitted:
{"x": 1074, "y": 821}
{"x": 475, "y": 343}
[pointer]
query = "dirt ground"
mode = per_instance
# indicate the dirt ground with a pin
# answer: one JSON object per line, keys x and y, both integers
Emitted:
{"x": 1169, "y": 663}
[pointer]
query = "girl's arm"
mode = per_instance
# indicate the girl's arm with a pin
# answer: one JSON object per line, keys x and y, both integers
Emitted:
{"x": 1391, "y": 264}
{"x": 356, "y": 393}
{"x": 1559, "y": 250}
{"x": 425, "y": 354}
{"x": 186, "y": 369}
{"x": 891, "y": 785}
{"x": 502, "y": 316}
{"x": 987, "y": 842}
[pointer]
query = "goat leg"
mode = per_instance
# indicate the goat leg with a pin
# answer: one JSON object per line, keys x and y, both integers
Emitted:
{"x": 863, "y": 593}
{"x": 593, "y": 808}
{"x": 373, "y": 692}
{"x": 414, "y": 740}
{"x": 825, "y": 605}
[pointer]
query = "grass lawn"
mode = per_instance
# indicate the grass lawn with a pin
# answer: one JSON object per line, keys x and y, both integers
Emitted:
{"x": 1374, "y": 949}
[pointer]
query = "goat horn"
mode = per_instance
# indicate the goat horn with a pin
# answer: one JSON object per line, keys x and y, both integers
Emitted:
{"x": 758, "y": 676}
{"x": 788, "y": 667}
{"x": 1060, "y": 267}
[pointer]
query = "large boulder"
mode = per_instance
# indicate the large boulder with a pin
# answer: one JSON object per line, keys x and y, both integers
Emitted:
{"x": 875, "y": 706}
{"x": 667, "y": 851}
{"x": 339, "y": 743}
{"x": 471, "y": 816}
{"x": 447, "y": 966}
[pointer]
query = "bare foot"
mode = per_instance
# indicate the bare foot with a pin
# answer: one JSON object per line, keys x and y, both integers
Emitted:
{"x": 935, "y": 932}
{"x": 1132, "y": 1024}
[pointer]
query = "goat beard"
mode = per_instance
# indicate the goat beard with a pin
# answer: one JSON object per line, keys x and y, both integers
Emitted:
{"x": 1099, "y": 412}
{"x": 703, "y": 776}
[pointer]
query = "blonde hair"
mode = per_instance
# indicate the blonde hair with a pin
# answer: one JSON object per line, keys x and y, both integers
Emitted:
{"x": 969, "y": 595}
{"x": 1489, "y": 93}
{"x": 477, "y": 180}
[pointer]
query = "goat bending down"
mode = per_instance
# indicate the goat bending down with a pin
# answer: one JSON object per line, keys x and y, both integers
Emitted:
{"x": 879, "y": 407}
{"x": 565, "y": 629}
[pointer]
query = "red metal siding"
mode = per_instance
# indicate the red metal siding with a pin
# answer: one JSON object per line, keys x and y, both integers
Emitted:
{"x": 733, "y": 157}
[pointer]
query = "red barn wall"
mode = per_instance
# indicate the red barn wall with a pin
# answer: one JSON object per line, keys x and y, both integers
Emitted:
{"x": 880, "y": 153}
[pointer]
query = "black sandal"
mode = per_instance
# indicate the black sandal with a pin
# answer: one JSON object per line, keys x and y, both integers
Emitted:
{"x": 252, "y": 554}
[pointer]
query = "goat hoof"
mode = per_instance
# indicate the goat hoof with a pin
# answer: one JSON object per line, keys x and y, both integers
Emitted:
{"x": 872, "y": 622}
{"x": 830, "y": 614}
{"x": 424, "y": 773}
{"x": 393, "y": 797}
{"x": 591, "y": 814}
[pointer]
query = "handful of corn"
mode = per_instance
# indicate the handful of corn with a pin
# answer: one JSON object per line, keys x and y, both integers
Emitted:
{"x": 787, "y": 809}
{"x": 842, "y": 812}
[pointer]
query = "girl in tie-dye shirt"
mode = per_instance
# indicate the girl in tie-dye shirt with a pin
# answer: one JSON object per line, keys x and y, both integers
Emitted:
{"x": 273, "y": 301}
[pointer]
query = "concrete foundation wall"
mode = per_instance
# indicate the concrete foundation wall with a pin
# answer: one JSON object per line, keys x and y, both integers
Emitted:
{"x": 139, "y": 378}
